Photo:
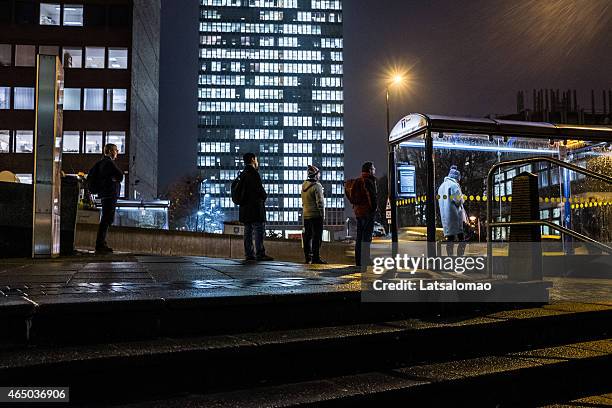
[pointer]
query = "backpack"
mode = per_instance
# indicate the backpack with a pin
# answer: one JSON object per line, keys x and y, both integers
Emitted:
{"x": 237, "y": 187}
{"x": 356, "y": 192}
{"x": 93, "y": 181}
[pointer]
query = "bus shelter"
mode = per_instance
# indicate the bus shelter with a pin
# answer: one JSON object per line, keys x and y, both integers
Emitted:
{"x": 423, "y": 147}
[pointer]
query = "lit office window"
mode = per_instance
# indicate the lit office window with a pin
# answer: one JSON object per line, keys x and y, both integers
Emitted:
{"x": 5, "y": 141}
{"x": 93, "y": 99}
{"x": 73, "y": 57}
{"x": 25, "y": 178}
{"x": 24, "y": 98}
{"x": 93, "y": 142}
{"x": 94, "y": 57}
{"x": 116, "y": 138}
{"x": 118, "y": 58}
{"x": 269, "y": 15}
{"x": 116, "y": 99}
{"x": 5, "y": 97}
{"x": 25, "y": 55}
{"x": 24, "y": 141}
{"x": 72, "y": 142}
{"x": 48, "y": 49}
{"x": 73, "y": 15}
{"x": 6, "y": 55}
{"x": 49, "y": 14}
{"x": 72, "y": 98}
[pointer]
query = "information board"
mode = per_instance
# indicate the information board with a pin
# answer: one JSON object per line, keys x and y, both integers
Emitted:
{"x": 406, "y": 177}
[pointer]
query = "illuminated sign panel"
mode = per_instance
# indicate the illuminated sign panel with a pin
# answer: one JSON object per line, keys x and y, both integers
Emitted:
{"x": 407, "y": 125}
{"x": 406, "y": 180}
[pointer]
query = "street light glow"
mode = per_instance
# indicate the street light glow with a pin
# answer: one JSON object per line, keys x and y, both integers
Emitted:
{"x": 397, "y": 78}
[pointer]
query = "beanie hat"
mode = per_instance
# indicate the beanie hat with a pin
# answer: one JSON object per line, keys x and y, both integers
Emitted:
{"x": 454, "y": 173}
{"x": 312, "y": 171}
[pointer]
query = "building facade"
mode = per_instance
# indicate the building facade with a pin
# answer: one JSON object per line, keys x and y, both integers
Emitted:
{"x": 271, "y": 83}
{"x": 110, "y": 52}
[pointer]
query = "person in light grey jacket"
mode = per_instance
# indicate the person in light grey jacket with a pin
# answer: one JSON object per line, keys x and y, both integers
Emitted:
{"x": 452, "y": 213}
{"x": 313, "y": 202}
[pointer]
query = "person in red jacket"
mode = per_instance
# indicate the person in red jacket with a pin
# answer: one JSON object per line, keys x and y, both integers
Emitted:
{"x": 364, "y": 212}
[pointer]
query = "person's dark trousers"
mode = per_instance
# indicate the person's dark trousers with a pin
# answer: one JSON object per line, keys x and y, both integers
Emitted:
{"x": 450, "y": 245}
{"x": 365, "y": 228}
{"x": 313, "y": 235}
{"x": 108, "y": 216}
{"x": 257, "y": 229}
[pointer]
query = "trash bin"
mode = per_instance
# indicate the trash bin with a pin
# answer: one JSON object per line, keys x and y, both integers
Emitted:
{"x": 15, "y": 220}
{"x": 16, "y": 217}
{"x": 68, "y": 214}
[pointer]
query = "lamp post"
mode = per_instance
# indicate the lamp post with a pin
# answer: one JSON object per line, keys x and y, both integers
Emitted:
{"x": 396, "y": 80}
{"x": 200, "y": 212}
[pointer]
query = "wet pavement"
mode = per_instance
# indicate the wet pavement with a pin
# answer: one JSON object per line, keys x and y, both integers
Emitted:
{"x": 88, "y": 277}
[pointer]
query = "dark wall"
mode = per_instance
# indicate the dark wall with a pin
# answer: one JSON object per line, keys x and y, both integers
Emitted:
{"x": 112, "y": 30}
{"x": 178, "y": 119}
{"x": 145, "y": 99}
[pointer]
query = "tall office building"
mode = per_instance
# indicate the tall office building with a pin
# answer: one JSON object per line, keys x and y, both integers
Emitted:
{"x": 110, "y": 52}
{"x": 271, "y": 82}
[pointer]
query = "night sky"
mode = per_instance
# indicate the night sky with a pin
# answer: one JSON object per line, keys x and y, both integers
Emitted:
{"x": 462, "y": 58}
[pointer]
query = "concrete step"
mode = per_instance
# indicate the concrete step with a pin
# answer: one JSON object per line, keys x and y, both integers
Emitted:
{"x": 159, "y": 368}
{"x": 599, "y": 400}
{"x": 79, "y": 320}
{"x": 525, "y": 378}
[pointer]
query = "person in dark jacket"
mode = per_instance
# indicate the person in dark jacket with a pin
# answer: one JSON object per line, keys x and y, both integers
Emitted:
{"x": 365, "y": 215}
{"x": 110, "y": 178}
{"x": 252, "y": 209}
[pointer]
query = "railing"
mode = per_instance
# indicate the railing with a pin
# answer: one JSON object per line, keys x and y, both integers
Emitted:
{"x": 559, "y": 228}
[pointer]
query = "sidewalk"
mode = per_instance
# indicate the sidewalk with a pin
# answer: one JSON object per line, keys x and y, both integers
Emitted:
{"x": 86, "y": 277}
{"x": 89, "y": 277}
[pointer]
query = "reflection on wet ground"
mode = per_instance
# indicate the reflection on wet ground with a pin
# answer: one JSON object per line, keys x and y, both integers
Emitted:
{"x": 123, "y": 274}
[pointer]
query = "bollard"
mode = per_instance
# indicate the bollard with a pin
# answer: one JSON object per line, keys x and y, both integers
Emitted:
{"x": 525, "y": 250}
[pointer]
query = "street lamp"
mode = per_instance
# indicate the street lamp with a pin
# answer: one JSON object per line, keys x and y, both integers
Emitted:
{"x": 395, "y": 80}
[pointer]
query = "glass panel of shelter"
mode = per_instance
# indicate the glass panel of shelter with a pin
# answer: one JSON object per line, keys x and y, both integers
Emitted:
{"x": 565, "y": 198}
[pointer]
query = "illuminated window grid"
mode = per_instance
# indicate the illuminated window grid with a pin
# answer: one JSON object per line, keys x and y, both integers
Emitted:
{"x": 272, "y": 84}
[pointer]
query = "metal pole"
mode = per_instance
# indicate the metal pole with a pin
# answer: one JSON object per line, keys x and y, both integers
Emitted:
{"x": 199, "y": 206}
{"x": 391, "y": 185}
{"x": 430, "y": 204}
{"x": 387, "y": 99}
{"x": 490, "y": 197}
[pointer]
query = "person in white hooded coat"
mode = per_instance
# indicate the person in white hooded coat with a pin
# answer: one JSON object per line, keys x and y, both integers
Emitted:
{"x": 452, "y": 212}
